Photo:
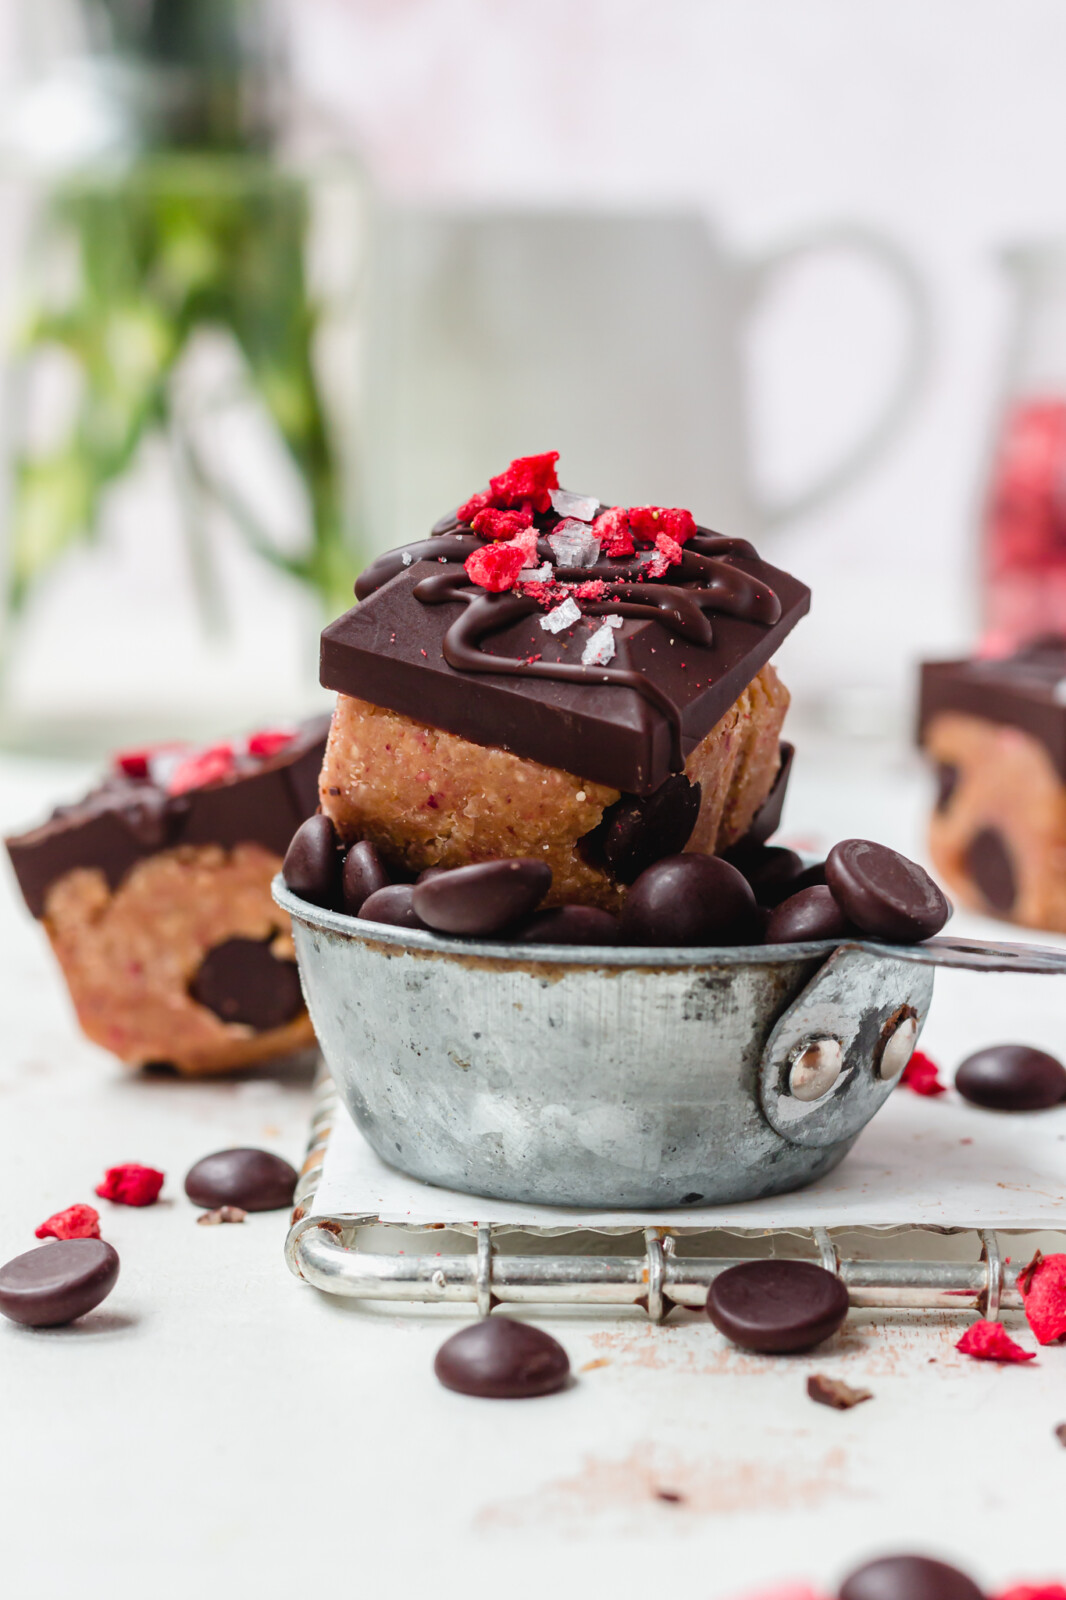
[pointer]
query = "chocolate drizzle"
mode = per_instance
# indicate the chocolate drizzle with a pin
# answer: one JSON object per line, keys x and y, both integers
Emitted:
{"x": 704, "y": 580}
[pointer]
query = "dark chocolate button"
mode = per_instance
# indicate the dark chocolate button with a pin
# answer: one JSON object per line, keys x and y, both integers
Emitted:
{"x": 690, "y": 900}
{"x": 361, "y": 876}
{"x": 1012, "y": 1077}
{"x": 255, "y": 1180}
{"x": 908, "y": 1578}
{"x": 497, "y": 1358}
{"x": 50, "y": 1287}
{"x": 570, "y": 925}
{"x": 311, "y": 862}
{"x": 483, "y": 898}
{"x": 242, "y": 981}
{"x": 947, "y": 781}
{"x": 641, "y": 831}
{"x": 777, "y": 1307}
{"x": 770, "y": 869}
{"x": 883, "y": 893}
{"x": 990, "y": 866}
{"x": 811, "y": 914}
{"x": 394, "y": 905}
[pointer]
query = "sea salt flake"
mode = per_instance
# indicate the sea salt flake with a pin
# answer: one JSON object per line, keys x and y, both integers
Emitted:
{"x": 582, "y": 506}
{"x": 536, "y": 574}
{"x": 612, "y": 621}
{"x": 407, "y": 558}
{"x": 574, "y": 544}
{"x": 600, "y": 648}
{"x": 563, "y": 616}
{"x": 1058, "y": 693}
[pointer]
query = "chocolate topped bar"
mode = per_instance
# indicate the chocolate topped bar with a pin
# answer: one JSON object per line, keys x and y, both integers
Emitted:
{"x": 1026, "y": 691}
{"x": 603, "y": 641}
{"x": 258, "y": 792}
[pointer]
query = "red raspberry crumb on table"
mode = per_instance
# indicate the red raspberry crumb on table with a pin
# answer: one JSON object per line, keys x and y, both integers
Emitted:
{"x": 268, "y": 741}
{"x": 528, "y": 478}
{"x": 1034, "y": 1591}
{"x": 649, "y": 521}
{"x": 613, "y": 531}
{"x": 493, "y": 524}
{"x": 990, "y": 1341}
{"x": 495, "y": 566}
{"x": 204, "y": 767}
{"x": 1042, "y": 1286}
{"x": 922, "y": 1075}
{"x": 131, "y": 1185}
{"x": 76, "y": 1222}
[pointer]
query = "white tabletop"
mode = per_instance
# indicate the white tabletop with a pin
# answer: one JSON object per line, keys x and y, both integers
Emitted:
{"x": 218, "y": 1425}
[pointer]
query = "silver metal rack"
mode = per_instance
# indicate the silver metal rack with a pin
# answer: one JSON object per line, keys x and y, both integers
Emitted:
{"x": 323, "y": 1250}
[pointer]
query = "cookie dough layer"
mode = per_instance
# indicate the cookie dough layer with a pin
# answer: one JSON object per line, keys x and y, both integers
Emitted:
{"x": 129, "y": 955}
{"x": 998, "y": 835}
{"x": 428, "y": 798}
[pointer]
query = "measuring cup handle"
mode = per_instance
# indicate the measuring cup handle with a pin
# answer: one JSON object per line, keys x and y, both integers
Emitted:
{"x": 913, "y": 368}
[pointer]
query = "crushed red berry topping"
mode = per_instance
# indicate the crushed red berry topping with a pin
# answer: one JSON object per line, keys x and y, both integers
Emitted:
{"x": 647, "y": 522}
{"x": 669, "y": 548}
{"x": 528, "y": 478}
{"x": 470, "y": 508}
{"x": 493, "y": 524}
{"x": 614, "y": 533}
{"x": 1034, "y": 1591}
{"x": 1042, "y": 1286}
{"x": 495, "y": 566}
{"x": 131, "y": 1185}
{"x": 267, "y": 742}
{"x": 990, "y": 1341}
{"x": 134, "y": 763}
{"x": 76, "y": 1222}
{"x": 922, "y": 1075}
{"x": 211, "y": 765}
{"x": 592, "y": 589}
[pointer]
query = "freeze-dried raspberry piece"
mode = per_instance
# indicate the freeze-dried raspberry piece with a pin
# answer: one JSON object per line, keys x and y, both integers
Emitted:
{"x": 990, "y": 1341}
{"x": 1042, "y": 1286}
{"x": 592, "y": 589}
{"x": 134, "y": 763}
{"x": 614, "y": 533}
{"x": 669, "y": 548}
{"x": 268, "y": 741}
{"x": 495, "y": 566}
{"x": 647, "y": 522}
{"x": 131, "y": 1185}
{"x": 658, "y": 565}
{"x": 493, "y": 524}
{"x": 1033, "y": 1591}
{"x": 787, "y": 1591}
{"x": 205, "y": 766}
{"x": 76, "y": 1222}
{"x": 470, "y": 508}
{"x": 922, "y": 1075}
{"x": 545, "y": 594}
{"x": 528, "y": 478}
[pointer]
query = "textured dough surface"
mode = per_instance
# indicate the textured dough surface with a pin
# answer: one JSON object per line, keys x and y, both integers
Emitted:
{"x": 1005, "y": 781}
{"x": 129, "y": 956}
{"x": 427, "y": 798}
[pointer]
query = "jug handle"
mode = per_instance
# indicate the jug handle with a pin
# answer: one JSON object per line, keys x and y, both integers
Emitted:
{"x": 913, "y": 369}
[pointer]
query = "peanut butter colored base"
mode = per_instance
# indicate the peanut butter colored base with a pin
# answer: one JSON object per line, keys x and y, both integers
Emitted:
{"x": 1005, "y": 781}
{"x": 428, "y": 798}
{"x": 129, "y": 956}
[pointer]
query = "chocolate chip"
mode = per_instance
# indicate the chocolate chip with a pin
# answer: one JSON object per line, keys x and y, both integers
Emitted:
{"x": 690, "y": 900}
{"x": 769, "y": 868}
{"x": 811, "y": 914}
{"x": 884, "y": 893}
{"x": 570, "y": 925}
{"x": 642, "y": 831}
{"x": 1012, "y": 1077}
{"x": 835, "y": 1392}
{"x": 777, "y": 1307}
{"x": 990, "y": 866}
{"x": 311, "y": 862}
{"x": 254, "y": 1180}
{"x": 51, "y": 1286}
{"x": 908, "y": 1578}
{"x": 394, "y": 905}
{"x": 361, "y": 876}
{"x": 947, "y": 781}
{"x": 483, "y": 898}
{"x": 497, "y": 1358}
{"x": 1060, "y": 1434}
{"x": 241, "y": 981}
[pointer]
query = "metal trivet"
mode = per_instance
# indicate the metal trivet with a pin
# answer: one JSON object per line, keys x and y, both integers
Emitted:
{"x": 323, "y": 1251}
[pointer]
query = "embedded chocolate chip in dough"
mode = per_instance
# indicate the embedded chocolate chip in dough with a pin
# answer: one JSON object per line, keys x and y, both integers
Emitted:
{"x": 241, "y": 981}
{"x": 989, "y": 863}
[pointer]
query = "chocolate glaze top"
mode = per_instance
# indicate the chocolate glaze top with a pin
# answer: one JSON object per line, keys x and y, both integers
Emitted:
{"x": 262, "y": 800}
{"x": 1026, "y": 691}
{"x": 429, "y": 643}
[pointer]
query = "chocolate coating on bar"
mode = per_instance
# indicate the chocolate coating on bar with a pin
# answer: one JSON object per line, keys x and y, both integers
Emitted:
{"x": 1021, "y": 691}
{"x": 429, "y": 644}
{"x": 127, "y": 819}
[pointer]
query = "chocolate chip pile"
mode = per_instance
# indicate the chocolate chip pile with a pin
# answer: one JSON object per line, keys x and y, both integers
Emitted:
{"x": 761, "y": 894}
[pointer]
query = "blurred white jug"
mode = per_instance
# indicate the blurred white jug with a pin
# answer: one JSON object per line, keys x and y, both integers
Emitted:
{"x": 618, "y": 340}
